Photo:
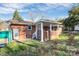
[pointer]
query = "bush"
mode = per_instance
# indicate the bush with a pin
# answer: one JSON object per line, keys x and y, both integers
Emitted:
{"x": 61, "y": 53}
{"x": 61, "y": 47}
{"x": 36, "y": 48}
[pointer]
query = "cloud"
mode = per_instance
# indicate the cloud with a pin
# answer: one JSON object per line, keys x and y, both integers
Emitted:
{"x": 6, "y": 10}
{"x": 15, "y": 6}
{"x": 36, "y": 8}
{"x": 54, "y": 6}
{"x": 22, "y": 7}
{"x": 10, "y": 8}
{"x": 67, "y": 5}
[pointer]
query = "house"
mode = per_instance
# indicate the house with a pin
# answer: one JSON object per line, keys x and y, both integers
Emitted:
{"x": 5, "y": 32}
{"x": 42, "y": 30}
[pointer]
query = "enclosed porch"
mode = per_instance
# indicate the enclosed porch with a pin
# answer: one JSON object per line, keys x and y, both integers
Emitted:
{"x": 46, "y": 30}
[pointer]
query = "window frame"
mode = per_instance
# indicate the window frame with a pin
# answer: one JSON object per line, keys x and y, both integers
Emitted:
{"x": 54, "y": 28}
{"x": 28, "y": 27}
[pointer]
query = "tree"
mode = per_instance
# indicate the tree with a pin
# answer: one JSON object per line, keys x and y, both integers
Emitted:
{"x": 16, "y": 16}
{"x": 73, "y": 17}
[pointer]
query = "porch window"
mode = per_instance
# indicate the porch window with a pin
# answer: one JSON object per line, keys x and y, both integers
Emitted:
{"x": 54, "y": 28}
{"x": 60, "y": 26}
{"x": 29, "y": 27}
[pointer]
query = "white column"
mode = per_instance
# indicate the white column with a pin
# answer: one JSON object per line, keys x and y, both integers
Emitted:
{"x": 50, "y": 27}
{"x": 42, "y": 32}
{"x": 50, "y": 30}
{"x": 36, "y": 30}
{"x": 58, "y": 26}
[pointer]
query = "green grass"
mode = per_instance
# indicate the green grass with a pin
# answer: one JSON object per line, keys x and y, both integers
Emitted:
{"x": 65, "y": 36}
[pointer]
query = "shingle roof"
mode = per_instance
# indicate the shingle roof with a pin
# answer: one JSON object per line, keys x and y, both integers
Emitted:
{"x": 21, "y": 22}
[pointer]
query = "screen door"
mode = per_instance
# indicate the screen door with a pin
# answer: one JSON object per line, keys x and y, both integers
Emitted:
{"x": 16, "y": 34}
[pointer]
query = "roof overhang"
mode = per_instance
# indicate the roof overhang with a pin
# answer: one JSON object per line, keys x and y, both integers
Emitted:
{"x": 47, "y": 22}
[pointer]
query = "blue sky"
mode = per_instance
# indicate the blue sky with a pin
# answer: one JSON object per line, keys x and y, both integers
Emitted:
{"x": 37, "y": 10}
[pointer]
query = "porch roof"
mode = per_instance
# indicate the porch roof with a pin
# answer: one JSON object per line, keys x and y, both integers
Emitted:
{"x": 47, "y": 22}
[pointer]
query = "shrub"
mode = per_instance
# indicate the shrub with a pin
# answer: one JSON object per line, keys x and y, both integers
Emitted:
{"x": 62, "y": 47}
{"x": 36, "y": 48}
{"x": 61, "y": 53}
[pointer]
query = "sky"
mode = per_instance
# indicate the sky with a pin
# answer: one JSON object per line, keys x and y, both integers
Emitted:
{"x": 35, "y": 10}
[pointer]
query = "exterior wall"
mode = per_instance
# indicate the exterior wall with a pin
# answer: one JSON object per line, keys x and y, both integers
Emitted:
{"x": 23, "y": 31}
{"x": 55, "y": 34}
{"x": 46, "y": 33}
{"x": 30, "y": 32}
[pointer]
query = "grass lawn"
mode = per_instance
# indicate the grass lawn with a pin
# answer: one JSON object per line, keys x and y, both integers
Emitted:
{"x": 65, "y": 36}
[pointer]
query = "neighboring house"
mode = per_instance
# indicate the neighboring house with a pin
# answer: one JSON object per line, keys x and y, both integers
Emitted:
{"x": 5, "y": 32}
{"x": 41, "y": 30}
{"x": 76, "y": 27}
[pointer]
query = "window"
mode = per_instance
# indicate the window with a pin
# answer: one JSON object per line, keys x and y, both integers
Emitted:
{"x": 29, "y": 27}
{"x": 54, "y": 28}
{"x": 60, "y": 26}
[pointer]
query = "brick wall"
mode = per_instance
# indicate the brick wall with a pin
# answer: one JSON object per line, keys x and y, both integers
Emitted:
{"x": 30, "y": 32}
{"x": 24, "y": 33}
